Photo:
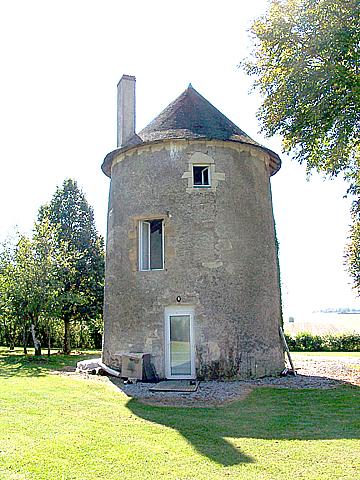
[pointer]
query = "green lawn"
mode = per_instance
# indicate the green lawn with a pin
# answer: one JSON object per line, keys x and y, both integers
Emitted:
{"x": 61, "y": 428}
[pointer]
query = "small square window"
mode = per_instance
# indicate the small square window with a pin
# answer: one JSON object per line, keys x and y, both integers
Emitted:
{"x": 151, "y": 245}
{"x": 201, "y": 175}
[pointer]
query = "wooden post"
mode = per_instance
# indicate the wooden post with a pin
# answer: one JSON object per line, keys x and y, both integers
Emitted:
{"x": 287, "y": 349}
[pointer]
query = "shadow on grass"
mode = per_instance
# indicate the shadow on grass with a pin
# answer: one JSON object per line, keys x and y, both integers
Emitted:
{"x": 16, "y": 364}
{"x": 267, "y": 413}
{"x": 218, "y": 433}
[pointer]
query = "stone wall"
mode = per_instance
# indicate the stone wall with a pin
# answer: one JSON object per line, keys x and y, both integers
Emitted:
{"x": 220, "y": 257}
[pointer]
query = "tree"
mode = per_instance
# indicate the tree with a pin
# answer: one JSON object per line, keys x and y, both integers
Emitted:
{"x": 28, "y": 295}
{"x": 9, "y": 321}
{"x": 24, "y": 289}
{"x": 306, "y": 64}
{"x": 48, "y": 258}
{"x": 306, "y": 60}
{"x": 352, "y": 256}
{"x": 80, "y": 273}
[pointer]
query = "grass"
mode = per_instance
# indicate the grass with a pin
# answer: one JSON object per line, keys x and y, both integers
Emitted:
{"x": 17, "y": 364}
{"x": 327, "y": 354}
{"x": 58, "y": 427}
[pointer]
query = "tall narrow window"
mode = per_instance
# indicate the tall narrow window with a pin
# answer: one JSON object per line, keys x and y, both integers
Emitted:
{"x": 201, "y": 175}
{"x": 151, "y": 245}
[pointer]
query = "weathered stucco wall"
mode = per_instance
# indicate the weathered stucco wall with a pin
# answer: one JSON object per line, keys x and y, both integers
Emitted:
{"x": 220, "y": 258}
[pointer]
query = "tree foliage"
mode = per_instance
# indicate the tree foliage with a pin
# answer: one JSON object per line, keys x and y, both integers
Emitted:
{"x": 352, "y": 252}
{"x": 26, "y": 286}
{"x": 57, "y": 274}
{"x": 9, "y": 323}
{"x": 306, "y": 65}
{"x": 306, "y": 62}
{"x": 80, "y": 272}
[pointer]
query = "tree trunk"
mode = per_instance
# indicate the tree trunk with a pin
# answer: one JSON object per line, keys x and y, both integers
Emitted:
{"x": 66, "y": 348}
{"x": 81, "y": 336}
{"x": 25, "y": 339}
{"x": 49, "y": 340}
{"x": 37, "y": 344}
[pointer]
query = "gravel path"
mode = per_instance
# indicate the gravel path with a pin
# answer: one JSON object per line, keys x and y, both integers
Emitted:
{"x": 313, "y": 372}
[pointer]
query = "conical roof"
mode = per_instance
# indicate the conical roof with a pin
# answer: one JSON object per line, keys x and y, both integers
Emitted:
{"x": 191, "y": 116}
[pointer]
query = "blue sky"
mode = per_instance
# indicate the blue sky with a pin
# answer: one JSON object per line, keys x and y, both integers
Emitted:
{"x": 61, "y": 61}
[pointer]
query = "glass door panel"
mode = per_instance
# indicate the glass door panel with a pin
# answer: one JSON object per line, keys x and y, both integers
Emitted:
{"x": 180, "y": 347}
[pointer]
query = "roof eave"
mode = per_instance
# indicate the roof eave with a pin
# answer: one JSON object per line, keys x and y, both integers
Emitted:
{"x": 274, "y": 165}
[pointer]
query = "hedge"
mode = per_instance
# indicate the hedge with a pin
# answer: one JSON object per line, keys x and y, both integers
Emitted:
{"x": 307, "y": 342}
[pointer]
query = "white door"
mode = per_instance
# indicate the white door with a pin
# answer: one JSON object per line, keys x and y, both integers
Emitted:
{"x": 179, "y": 343}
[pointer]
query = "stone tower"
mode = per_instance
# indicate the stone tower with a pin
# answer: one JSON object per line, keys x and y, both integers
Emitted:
{"x": 191, "y": 263}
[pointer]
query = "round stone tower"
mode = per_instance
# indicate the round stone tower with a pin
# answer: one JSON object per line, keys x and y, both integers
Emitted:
{"x": 191, "y": 263}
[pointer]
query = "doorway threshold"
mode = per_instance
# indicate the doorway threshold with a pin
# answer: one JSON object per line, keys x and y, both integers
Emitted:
{"x": 185, "y": 386}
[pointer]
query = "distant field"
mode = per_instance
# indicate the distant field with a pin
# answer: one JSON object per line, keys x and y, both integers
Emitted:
{"x": 323, "y": 323}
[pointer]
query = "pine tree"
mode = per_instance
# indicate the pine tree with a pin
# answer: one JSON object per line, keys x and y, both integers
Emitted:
{"x": 80, "y": 273}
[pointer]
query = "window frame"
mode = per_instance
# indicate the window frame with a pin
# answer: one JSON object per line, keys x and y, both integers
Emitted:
{"x": 203, "y": 165}
{"x": 140, "y": 245}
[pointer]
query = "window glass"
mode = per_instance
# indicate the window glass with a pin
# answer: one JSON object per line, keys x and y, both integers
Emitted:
{"x": 201, "y": 175}
{"x": 151, "y": 245}
{"x": 180, "y": 348}
{"x": 156, "y": 245}
{"x": 145, "y": 245}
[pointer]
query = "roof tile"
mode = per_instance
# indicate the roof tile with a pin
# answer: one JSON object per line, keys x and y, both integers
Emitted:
{"x": 191, "y": 116}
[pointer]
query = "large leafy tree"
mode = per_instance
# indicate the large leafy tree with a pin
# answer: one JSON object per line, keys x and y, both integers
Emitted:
{"x": 306, "y": 65}
{"x": 26, "y": 287}
{"x": 47, "y": 259}
{"x": 80, "y": 273}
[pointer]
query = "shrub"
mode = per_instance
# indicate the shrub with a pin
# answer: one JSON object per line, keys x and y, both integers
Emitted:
{"x": 307, "y": 342}
{"x": 290, "y": 341}
{"x": 346, "y": 342}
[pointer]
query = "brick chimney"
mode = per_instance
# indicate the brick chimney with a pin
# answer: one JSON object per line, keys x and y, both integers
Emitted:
{"x": 125, "y": 109}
